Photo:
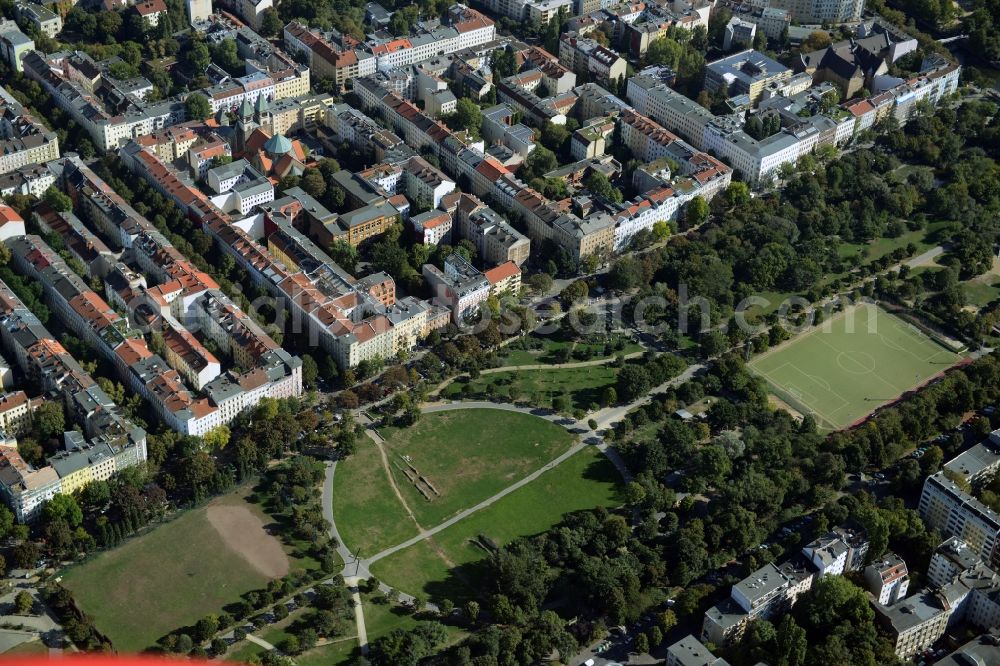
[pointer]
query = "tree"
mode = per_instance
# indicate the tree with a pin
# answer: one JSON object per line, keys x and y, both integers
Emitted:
{"x": 109, "y": 23}
{"x": 641, "y": 644}
{"x": 290, "y": 645}
{"x": 197, "y": 107}
{"x": 635, "y": 494}
{"x": 633, "y": 381}
{"x": 345, "y": 254}
{"x": 6, "y": 523}
{"x": 665, "y": 51}
{"x": 467, "y": 116}
{"x": 270, "y": 23}
{"x": 472, "y": 610}
{"x": 216, "y": 438}
{"x": 25, "y": 555}
{"x": 62, "y": 507}
{"x": 791, "y": 644}
{"x": 310, "y": 370}
{"x": 626, "y": 273}
{"x": 23, "y": 603}
{"x": 197, "y": 57}
{"x": 696, "y": 211}
{"x": 206, "y": 627}
{"x": 540, "y": 282}
{"x": 820, "y": 39}
{"x": 57, "y": 200}
{"x": 313, "y": 183}
{"x": 503, "y": 62}
{"x": 539, "y": 162}
{"x": 575, "y": 292}
{"x": 599, "y": 184}
{"x": 661, "y": 229}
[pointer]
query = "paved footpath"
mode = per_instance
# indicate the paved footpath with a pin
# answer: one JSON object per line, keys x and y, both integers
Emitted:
{"x": 261, "y": 642}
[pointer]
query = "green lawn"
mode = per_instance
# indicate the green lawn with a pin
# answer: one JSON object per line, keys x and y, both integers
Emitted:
{"x": 546, "y": 353}
{"x": 381, "y": 617}
{"x": 29, "y": 648}
{"x": 468, "y": 455}
{"x": 244, "y": 650}
{"x": 338, "y": 652}
{"x": 445, "y": 566}
{"x": 583, "y": 386}
{"x": 981, "y": 292}
{"x": 368, "y": 514}
{"x": 852, "y": 364}
{"x": 168, "y": 578}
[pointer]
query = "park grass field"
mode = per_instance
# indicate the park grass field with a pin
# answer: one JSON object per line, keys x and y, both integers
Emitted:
{"x": 546, "y": 354}
{"x": 467, "y": 456}
{"x": 444, "y": 565}
{"x": 584, "y": 386}
{"x": 338, "y": 652}
{"x": 855, "y": 362}
{"x": 34, "y": 648}
{"x": 368, "y": 514}
{"x": 176, "y": 574}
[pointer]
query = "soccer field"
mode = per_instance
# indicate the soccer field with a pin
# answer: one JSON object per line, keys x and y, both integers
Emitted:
{"x": 849, "y": 366}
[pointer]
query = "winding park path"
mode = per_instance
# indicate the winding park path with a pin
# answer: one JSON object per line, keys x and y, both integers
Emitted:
{"x": 357, "y": 569}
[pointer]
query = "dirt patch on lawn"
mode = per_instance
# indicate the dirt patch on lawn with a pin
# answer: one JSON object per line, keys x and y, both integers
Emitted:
{"x": 244, "y": 532}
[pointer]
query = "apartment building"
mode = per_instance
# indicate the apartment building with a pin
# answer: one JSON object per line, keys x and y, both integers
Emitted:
{"x": 841, "y": 550}
{"x": 585, "y": 56}
{"x": 82, "y": 244}
{"x": 800, "y": 133}
{"x": 505, "y": 279}
{"x": 358, "y": 130}
{"x": 461, "y": 287}
{"x": 947, "y": 507}
{"x": 915, "y": 623}
{"x": 499, "y": 127}
{"x": 83, "y": 97}
{"x": 24, "y": 141}
{"x": 340, "y": 57}
{"x": 32, "y": 179}
{"x": 107, "y": 441}
{"x": 11, "y": 223}
{"x": 765, "y": 594}
{"x": 198, "y": 10}
{"x": 888, "y": 579}
{"x": 495, "y": 239}
{"x": 821, "y": 11}
{"x": 414, "y": 177}
{"x": 252, "y": 11}
{"x": 90, "y": 317}
{"x": 151, "y": 11}
{"x": 45, "y": 20}
{"x": 14, "y": 44}
{"x": 353, "y": 320}
{"x": 689, "y": 651}
{"x": 744, "y": 73}
{"x": 15, "y": 412}
{"x": 773, "y": 589}
{"x": 115, "y": 111}
{"x": 432, "y": 227}
{"x": 739, "y": 32}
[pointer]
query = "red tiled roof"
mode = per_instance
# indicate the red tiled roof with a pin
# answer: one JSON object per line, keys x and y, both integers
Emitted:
{"x": 502, "y": 272}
